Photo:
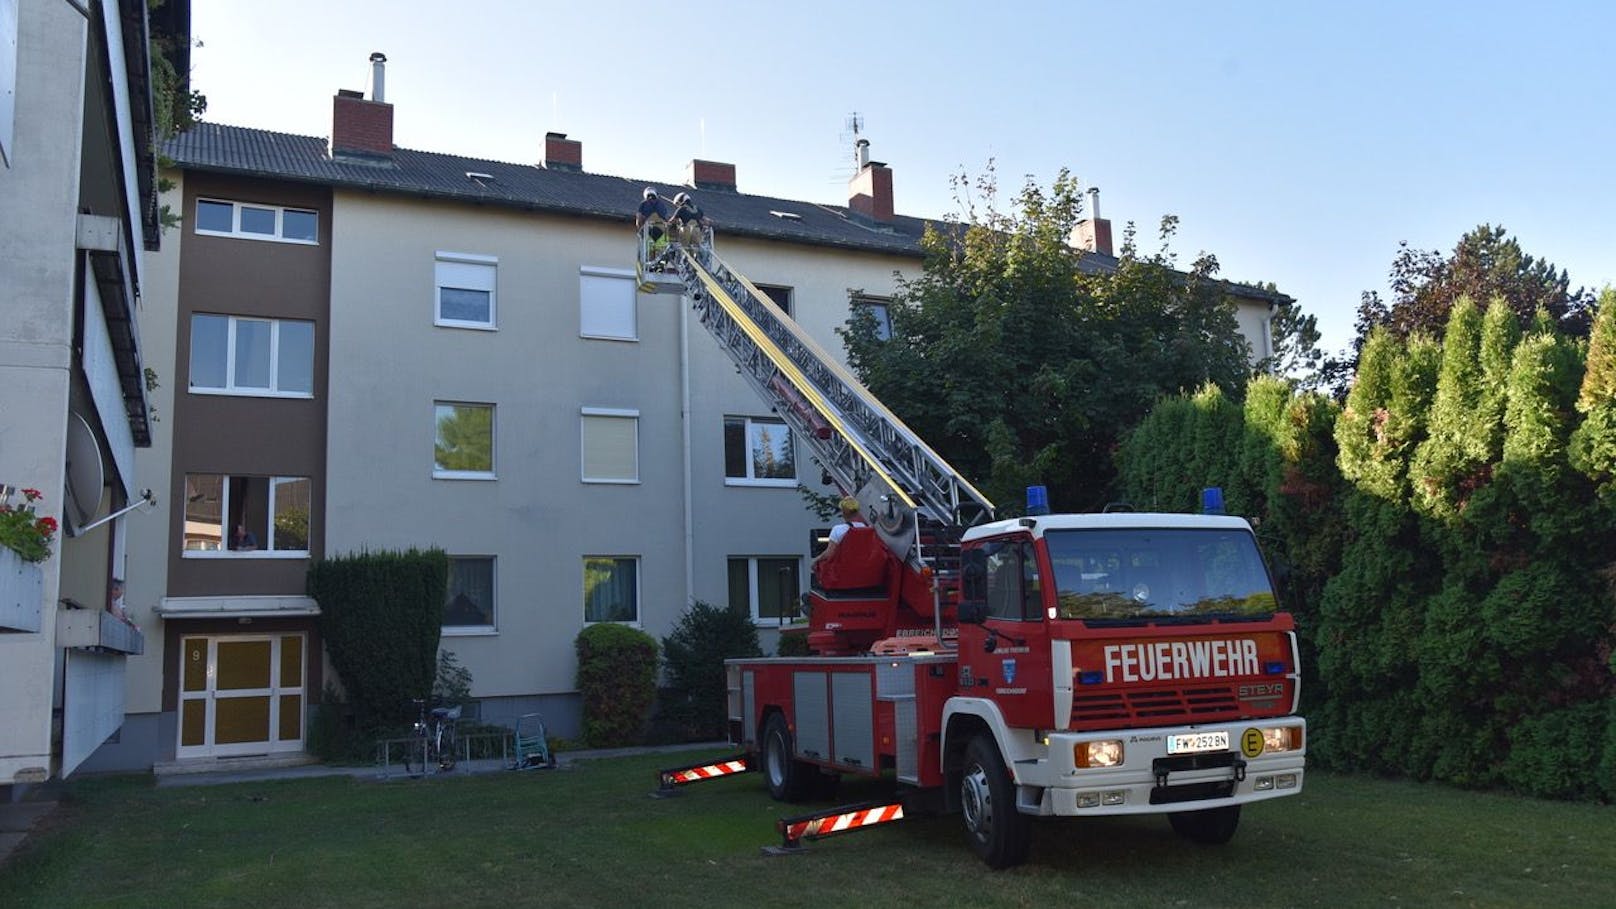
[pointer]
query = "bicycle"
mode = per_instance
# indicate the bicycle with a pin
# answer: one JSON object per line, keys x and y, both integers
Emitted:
{"x": 434, "y": 735}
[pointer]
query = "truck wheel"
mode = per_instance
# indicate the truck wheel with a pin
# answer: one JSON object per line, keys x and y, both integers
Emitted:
{"x": 998, "y": 833}
{"x": 1209, "y": 826}
{"x": 789, "y": 780}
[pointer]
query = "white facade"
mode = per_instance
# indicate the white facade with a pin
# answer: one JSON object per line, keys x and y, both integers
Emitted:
{"x": 545, "y": 369}
{"x": 71, "y": 236}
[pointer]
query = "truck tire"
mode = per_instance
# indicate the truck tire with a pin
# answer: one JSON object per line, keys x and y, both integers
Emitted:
{"x": 1209, "y": 826}
{"x": 998, "y": 833}
{"x": 789, "y": 780}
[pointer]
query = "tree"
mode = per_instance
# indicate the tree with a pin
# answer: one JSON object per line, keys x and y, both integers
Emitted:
{"x": 1294, "y": 336}
{"x": 1019, "y": 365}
{"x": 1486, "y": 263}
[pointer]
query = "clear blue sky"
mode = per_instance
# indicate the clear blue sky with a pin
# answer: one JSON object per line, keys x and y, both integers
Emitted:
{"x": 1297, "y": 142}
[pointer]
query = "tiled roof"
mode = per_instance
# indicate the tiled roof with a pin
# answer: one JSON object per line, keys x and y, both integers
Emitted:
{"x": 529, "y": 187}
{"x": 282, "y": 156}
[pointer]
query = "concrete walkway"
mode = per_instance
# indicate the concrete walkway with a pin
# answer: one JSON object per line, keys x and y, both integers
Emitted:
{"x": 19, "y": 818}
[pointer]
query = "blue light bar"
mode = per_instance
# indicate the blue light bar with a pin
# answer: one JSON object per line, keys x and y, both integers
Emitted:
{"x": 1037, "y": 500}
{"x": 1212, "y": 500}
{"x": 1091, "y": 677}
{"x": 1274, "y": 667}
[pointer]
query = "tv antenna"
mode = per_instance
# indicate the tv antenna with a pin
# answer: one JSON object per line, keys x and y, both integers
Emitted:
{"x": 852, "y": 131}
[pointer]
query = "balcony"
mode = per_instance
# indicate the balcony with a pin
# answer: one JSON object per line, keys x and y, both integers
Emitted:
{"x": 22, "y": 593}
{"x": 97, "y": 630}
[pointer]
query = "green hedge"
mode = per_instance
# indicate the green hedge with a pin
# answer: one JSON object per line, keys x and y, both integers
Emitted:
{"x": 617, "y": 678}
{"x": 380, "y": 616}
{"x": 695, "y": 699}
{"x": 1446, "y": 539}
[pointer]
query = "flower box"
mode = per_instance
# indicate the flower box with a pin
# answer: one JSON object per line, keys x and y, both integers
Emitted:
{"x": 22, "y": 593}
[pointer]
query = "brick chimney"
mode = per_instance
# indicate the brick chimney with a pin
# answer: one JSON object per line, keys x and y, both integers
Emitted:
{"x": 359, "y": 126}
{"x": 1094, "y": 232}
{"x": 869, "y": 193}
{"x": 710, "y": 175}
{"x": 561, "y": 153}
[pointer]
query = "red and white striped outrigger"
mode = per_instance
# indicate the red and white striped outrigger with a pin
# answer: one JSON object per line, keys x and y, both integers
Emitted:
{"x": 670, "y": 779}
{"x": 832, "y": 821}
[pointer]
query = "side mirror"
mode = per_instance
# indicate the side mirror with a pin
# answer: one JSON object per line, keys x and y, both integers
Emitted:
{"x": 973, "y": 607}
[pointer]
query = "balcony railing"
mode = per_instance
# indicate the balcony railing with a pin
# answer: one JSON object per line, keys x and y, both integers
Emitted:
{"x": 97, "y": 629}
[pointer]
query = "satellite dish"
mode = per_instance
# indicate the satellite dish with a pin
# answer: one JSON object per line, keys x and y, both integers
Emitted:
{"x": 86, "y": 478}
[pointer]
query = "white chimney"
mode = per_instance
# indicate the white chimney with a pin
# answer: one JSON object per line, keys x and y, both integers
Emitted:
{"x": 1094, "y": 202}
{"x": 378, "y": 77}
{"x": 861, "y": 153}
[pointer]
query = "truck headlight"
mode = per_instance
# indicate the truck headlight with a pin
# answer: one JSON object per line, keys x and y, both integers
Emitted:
{"x": 1278, "y": 739}
{"x": 1103, "y": 753}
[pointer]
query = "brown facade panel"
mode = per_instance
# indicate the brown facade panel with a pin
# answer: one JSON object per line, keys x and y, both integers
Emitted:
{"x": 243, "y": 436}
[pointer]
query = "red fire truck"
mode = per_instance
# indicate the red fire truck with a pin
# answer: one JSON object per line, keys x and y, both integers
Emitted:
{"x": 1070, "y": 665}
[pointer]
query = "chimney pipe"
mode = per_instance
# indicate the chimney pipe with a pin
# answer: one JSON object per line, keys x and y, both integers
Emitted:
{"x": 1093, "y": 233}
{"x": 378, "y": 76}
{"x": 861, "y": 153}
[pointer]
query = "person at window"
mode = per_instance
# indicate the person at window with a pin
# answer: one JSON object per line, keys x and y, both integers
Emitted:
{"x": 115, "y": 604}
{"x": 652, "y": 218}
{"x": 243, "y": 540}
{"x": 690, "y": 223}
{"x": 851, "y": 517}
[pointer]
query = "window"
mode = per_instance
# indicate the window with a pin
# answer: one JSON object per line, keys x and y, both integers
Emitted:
{"x": 758, "y": 452}
{"x": 220, "y": 218}
{"x": 770, "y": 586}
{"x": 234, "y": 355}
{"x": 464, "y": 449}
{"x": 606, "y": 304}
{"x": 471, "y": 593}
{"x": 611, "y": 589}
{"x": 611, "y": 445}
{"x": 242, "y": 516}
{"x": 463, "y": 290}
{"x": 879, "y": 309}
{"x": 1157, "y": 572}
{"x": 780, "y": 295}
{"x": 1013, "y": 591}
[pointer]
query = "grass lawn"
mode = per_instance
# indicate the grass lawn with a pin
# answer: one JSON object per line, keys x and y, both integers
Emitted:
{"x": 591, "y": 836}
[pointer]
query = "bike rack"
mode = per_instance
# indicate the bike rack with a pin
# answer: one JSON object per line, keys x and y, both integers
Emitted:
{"x": 385, "y": 750}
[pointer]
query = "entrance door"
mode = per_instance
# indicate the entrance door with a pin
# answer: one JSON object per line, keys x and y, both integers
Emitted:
{"x": 241, "y": 694}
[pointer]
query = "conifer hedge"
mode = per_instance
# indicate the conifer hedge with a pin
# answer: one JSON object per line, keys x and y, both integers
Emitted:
{"x": 380, "y": 615}
{"x": 1450, "y": 558}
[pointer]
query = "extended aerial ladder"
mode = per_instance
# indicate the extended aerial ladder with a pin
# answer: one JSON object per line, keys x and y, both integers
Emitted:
{"x": 917, "y": 502}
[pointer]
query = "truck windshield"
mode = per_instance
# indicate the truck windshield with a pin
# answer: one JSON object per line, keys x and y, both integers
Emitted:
{"x": 1155, "y": 573}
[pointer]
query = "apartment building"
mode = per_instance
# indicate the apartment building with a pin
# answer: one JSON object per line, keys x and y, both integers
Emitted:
{"x": 78, "y": 212}
{"x": 368, "y": 347}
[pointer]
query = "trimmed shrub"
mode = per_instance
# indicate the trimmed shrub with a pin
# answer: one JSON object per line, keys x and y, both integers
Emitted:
{"x": 452, "y": 683}
{"x": 694, "y": 654}
{"x": 617, "y": 678}
{"x": 381, "y": 614}
{"x": 792, "y": 643}
{"x": 332, "y": 737}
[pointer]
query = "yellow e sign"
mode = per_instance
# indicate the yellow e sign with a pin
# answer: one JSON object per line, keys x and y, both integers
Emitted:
{"x": 1251, "y": 743}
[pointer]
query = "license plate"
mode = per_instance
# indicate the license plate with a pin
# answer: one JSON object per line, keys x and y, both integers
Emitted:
{"x": 1196, "y": 742}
